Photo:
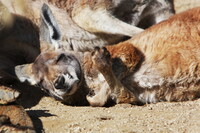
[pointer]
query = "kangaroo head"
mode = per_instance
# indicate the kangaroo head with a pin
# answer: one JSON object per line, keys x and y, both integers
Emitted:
{"x": 56, "y": 71}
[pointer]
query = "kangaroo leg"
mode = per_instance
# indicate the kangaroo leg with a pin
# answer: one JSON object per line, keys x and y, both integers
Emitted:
{"x": 13, "y": 118}
{"x": 118, "y": 92}
{"x": 100, "y": 21}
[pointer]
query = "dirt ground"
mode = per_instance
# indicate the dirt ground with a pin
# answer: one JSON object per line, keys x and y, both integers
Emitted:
{"x": 51, "y": 116}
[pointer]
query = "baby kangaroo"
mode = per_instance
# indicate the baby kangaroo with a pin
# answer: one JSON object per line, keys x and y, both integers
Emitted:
{"x": 160, "y": 64}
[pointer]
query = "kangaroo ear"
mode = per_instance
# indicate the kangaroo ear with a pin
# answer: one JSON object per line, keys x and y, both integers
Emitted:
{"x": 49, "y": 30}
{"x": 24, "y": 73}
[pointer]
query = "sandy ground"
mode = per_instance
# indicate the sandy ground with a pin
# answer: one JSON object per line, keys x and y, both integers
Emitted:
{"x": 51, "y": 116}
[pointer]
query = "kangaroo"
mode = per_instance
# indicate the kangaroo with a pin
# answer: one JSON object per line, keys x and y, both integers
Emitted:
{"x": 86, "y": 24}
{"x": 20, "y": 44}
{"x": 148, "y": 68}
{"x": 59, "y": 72}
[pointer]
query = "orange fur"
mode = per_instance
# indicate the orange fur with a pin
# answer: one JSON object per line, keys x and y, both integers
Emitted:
{"x": 171, "y": 49}
{"x": 173, "y": 43}
{"x": 18, "y": 121}
{"x": 128, "y": 54}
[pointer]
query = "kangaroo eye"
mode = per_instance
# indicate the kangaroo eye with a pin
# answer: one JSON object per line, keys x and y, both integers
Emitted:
{"x": 59, "y": 83}
{"x": 69, "y": 76}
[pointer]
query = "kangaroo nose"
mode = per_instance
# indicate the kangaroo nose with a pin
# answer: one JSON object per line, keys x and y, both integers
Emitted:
{"x": 60, "y": 83}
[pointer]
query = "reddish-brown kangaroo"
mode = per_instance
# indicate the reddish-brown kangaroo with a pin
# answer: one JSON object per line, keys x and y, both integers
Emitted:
{"x": 159, "y": 64}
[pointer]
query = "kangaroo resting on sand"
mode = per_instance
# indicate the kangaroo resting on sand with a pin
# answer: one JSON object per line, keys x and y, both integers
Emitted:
{"x": 159, "y": 64}
{"x": 19, "y": 39}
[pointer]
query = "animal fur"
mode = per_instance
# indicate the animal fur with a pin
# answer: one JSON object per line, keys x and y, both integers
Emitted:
{"x": 13, "y": 118}
{"x": 20, "y": 44}
{"x": 18, "y": 38}
{"x": 86, "y": 24}
{"x": 169, "y": 67}
{"x": 151, "y": 67}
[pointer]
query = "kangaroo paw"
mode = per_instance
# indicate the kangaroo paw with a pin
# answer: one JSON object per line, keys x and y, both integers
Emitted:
{"x": 101, "y": 59}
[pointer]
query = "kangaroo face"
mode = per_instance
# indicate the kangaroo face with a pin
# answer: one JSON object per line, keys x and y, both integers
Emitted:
{"x": 57, "y": 72}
